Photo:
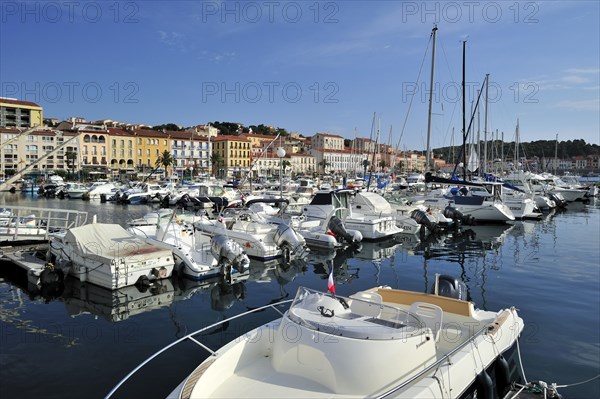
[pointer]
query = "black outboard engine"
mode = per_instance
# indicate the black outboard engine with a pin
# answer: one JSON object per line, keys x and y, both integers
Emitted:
{"x": 560, "y": 203}
{"x": 420, "y": 217}
{"x": 164, "y": 203}
{"x": 456, "y": 215}
{"x": 336, "y": 225}
{"x": 450, "y": 287}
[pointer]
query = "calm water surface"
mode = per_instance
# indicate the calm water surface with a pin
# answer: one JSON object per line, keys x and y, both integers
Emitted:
{"x": 80, "y": 342}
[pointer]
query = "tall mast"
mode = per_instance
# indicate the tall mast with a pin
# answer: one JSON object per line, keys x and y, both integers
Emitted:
{"x": 517, "y": 145}
{"x": 464, "y": 112}
{"x": 556, "y": 154}
{"x": 433, "y": 32}
{"x": 485, "y": 120}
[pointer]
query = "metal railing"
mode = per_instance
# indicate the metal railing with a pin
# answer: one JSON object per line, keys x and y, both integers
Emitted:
{"x": 190, "y": 337}
{"x": 19, "y": 222}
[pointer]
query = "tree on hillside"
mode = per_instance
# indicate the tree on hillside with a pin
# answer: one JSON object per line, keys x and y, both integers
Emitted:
{"x": 168, "y": 126}
{"x": 227, "y": 128}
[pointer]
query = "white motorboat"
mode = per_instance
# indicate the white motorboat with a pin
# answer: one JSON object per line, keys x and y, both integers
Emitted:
{"x": 75, "y": 190}
{"x": 197, "y": 255}
{"x": 97, "y": 190}
{"x": 109, "y": 256}
{"x": 370, "y": 203}
{"x": 480, "y": 208}
{"x": 371, "y": 226}
{"x": 259, "y": 238}
{"x": 327, "y": 234}
{"x": 376, "y": 343}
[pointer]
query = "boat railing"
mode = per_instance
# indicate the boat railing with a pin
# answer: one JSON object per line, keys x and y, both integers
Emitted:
{"x": 437, "y": 364}
{"x": 190, "y": 337}
{"x": 43, "y": 221}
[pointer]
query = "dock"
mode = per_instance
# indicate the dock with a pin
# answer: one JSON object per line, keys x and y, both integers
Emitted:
{"x": 25, "y": 234}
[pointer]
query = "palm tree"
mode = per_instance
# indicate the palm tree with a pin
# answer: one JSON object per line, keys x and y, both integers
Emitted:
{"x": 215, "y": 161}
{"x": 71, "y": 156}
{"x": 382, "y": 165}
{"x": 165, "y": 160}
{"x": 284, "y": 164}
{"x": 323, "y": 164}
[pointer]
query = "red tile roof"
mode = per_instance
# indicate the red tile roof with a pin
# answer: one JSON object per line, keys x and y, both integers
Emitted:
{"x": 230, "y": 138}
{"x": 18, "y": 102}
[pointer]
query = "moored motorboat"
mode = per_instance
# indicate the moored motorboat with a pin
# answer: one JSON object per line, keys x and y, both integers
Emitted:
{"x": 381, "y": 342}
{"x": 109, "y": 256}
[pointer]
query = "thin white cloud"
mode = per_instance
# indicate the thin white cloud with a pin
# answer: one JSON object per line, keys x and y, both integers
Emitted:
{"x": 574, "y": 79}
{"x": 583, "y": 71}
{"x": 172, "y": 39}
{"x": 580, "y": 105}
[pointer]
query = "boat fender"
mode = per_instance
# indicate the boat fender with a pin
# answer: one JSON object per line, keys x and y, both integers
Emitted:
{"x": 485, "y": 386}
{"x": 502, "y": 374}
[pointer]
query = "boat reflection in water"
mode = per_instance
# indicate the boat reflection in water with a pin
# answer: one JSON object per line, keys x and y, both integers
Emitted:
{"x": 121, "y": 304}
{"x": 465, "y": 242}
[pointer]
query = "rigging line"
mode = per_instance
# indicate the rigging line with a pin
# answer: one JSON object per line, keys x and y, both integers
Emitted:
{"x": 521, "y": 362}
{"x": 452, "y": 80}
{"x": 578, "y": 383}
{"x": 415, "y": 92}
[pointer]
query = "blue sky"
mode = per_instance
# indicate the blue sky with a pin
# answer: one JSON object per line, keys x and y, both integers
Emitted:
{"x": 310, "y": 66}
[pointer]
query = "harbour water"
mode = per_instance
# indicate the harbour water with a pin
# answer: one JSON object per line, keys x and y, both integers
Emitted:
{"x": 80, "y": 341}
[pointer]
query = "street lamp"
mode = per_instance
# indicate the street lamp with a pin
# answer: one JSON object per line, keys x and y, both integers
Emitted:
{"x": 280, "y": 154}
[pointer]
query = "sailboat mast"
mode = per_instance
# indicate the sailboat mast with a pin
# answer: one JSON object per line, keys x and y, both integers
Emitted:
{"x": 427, "y": 161}
{"x": 517, "y": 145}
{"x": 485, "y": 120}
{"x": 464, "y": 112}
{"x": 556, "y": 154}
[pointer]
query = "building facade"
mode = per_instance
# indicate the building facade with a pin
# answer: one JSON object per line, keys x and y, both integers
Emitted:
{"x": 20, "y": 114}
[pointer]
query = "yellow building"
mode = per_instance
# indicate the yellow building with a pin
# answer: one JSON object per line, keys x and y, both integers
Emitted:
{"x": 150, "y": 145}
{"x": 122, "y": 146}
{"x": 20, "y": 114}
{"x": 234, "y": 155}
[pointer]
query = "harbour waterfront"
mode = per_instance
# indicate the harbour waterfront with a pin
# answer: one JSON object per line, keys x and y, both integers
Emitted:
{"x": 81, "y": 342}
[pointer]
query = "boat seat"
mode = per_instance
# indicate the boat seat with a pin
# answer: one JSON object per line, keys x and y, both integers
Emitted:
{"x": 430, "y": 315}
{"x": 366, "y": 304}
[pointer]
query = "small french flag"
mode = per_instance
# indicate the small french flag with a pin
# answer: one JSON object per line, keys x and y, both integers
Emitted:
{"x": 330, "y": 284}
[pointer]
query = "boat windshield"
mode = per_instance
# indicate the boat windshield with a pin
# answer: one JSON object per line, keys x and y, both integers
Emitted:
{"x": 351, "y": 317}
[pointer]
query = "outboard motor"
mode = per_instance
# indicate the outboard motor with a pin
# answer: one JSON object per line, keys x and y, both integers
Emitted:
{"x": 420, "y": 217}
{"x": 450, "y": 287}
{"x": 290, "y": 242}
{"x": 225, "y": 249}
{"x": 336, "y": 225}
{"x": 165, "y": 201}
{"x": 560, "y": 202}
{"x": 456, "y": 215}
